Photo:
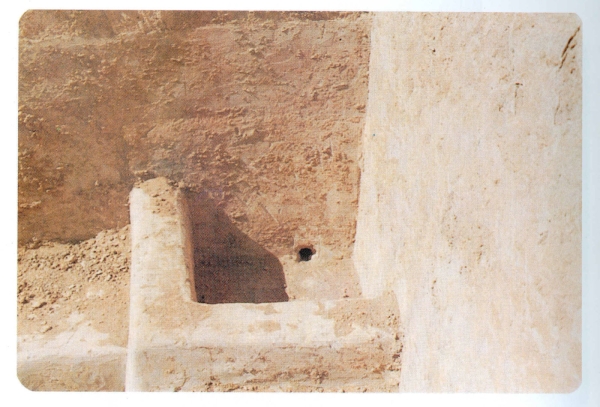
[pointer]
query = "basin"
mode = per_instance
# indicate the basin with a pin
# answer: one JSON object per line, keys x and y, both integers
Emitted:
{"x": 210, "y": 309}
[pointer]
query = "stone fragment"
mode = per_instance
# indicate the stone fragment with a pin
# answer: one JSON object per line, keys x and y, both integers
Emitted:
{"x": 37, "y": 304}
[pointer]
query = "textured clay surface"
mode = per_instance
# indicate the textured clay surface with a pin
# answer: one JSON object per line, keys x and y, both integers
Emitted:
{"x": 261, "y": 112}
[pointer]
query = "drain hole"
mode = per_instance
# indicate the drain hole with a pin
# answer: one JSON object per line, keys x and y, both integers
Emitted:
{"x": 305, "y": 254}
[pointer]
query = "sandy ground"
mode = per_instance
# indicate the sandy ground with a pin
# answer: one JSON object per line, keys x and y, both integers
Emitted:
{"x": 90, "y": 278}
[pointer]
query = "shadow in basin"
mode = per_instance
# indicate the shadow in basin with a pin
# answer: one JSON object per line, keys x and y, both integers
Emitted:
{"x": 228, "y": 265}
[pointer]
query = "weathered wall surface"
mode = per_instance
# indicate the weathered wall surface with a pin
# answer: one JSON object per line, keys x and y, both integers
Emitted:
{"x": 470, "y": 202}
{"x": 261, "y": 112}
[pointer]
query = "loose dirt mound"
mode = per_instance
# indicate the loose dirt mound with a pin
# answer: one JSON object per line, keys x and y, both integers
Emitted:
{"x": 90, "y": 278}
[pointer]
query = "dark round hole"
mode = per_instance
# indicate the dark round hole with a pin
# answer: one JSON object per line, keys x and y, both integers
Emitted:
{"x": 305, "y": 254}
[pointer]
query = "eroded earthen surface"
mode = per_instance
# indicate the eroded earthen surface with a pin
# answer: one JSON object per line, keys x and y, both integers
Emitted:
{"x": 261, "y": 112}
{"x": 62, "y": 286}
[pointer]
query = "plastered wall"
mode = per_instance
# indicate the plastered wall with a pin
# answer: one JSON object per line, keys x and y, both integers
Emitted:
{"x": 470, "y": 203}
